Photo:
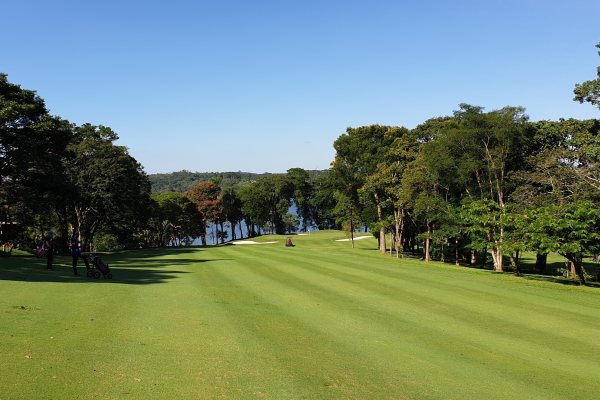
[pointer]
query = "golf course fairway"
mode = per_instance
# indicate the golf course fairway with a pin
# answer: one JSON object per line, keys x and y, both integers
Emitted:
{"x": 316, "y": 321}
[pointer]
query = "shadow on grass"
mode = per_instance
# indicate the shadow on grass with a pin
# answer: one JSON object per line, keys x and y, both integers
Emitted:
{"x": 139, "y": 267}
{"x": 554, "y": 272}
{"x": 560, "y": 280}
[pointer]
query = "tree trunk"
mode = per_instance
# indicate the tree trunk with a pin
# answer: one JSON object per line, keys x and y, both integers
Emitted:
{"x": 576, "y": 266}
{"x": 442, "y": 258}
{"x": 233, "y": 224}
{"x": 399, "y": 227}
{"x": 498, "y": 262}
{"x": 352, "y": 232}
{"x": 427, "y": 244}
{"x": 455, "y": 251}
{"x": 541, "y": 261}
{"x": 382, "y": 247}
{"x": 514, "y": 262}
{"x": 64, "y": 230}
{"x": 473, "y": 257}
{"x": 483, "y": 258}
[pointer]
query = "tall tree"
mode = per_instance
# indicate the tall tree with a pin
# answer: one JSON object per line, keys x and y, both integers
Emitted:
{"x": 255, "y": 207}
{"x": 487, "y": 147}
{"x": 176, "y": 220}
{"x": 277, "y": 190}
{"x": 346, "y": 213}
{"x": 111, "y": 190}
{"x": 589, "y": 91}
{"x": 302, "y": 192}
{"x": 323, "y": 203}
{"x": 232, "y": 210}
{"x": 32, "y": 146}
{"x": 427, "y": 180}
{"x": 207, "y": 197}
{"x": 572, "y": 230}
{"x": 360, "y": 153}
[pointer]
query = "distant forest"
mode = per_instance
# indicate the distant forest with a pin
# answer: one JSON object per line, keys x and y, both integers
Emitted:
{"x": 182, "y": 181}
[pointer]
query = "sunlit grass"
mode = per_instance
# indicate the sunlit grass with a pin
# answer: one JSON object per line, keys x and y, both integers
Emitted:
{"x": 317, "y": 321}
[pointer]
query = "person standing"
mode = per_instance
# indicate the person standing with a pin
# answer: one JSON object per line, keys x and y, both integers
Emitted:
{"x": 76, "y": 251}
{"x": 49, "y": 247}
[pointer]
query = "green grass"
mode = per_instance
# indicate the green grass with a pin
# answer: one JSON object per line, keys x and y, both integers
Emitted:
{"x": 317, "y": 321}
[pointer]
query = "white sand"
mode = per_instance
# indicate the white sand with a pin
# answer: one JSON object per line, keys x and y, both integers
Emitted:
{"x": 250, "y": 242}
{"x": 355, "y": 238}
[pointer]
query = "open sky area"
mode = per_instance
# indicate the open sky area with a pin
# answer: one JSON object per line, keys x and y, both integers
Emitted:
{"x": 263, "y": 86}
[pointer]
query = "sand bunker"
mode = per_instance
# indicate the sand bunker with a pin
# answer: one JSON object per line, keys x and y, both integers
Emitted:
{"x": 250, "y": 242}
{"x": 355, "y": 238}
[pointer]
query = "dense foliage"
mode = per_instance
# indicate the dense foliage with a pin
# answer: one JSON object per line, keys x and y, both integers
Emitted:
{"x": 55, "y": 175}
{"x": 182, "y": 181}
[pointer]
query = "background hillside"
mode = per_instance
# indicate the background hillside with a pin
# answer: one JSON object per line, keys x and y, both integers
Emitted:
{"x": 182, "y": 180}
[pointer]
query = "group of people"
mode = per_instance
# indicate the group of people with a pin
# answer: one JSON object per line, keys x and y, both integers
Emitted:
{"x": 76, "y": 252}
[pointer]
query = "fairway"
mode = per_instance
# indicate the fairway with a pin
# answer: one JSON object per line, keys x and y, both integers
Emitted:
{"x": 317, "y": 321}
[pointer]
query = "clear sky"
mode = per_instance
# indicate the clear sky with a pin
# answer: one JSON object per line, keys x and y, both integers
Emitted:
{"x": 263, "y": 86}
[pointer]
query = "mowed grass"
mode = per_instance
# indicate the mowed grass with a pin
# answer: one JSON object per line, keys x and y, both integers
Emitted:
{"x": 317, "y": 321}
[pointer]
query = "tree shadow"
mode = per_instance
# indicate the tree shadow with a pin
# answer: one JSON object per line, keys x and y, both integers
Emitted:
{"x": 560, "y": 280}
{"x": 554, "y": 272}
{"x": 156, "y": 252}
{"x": 128, "y": 267}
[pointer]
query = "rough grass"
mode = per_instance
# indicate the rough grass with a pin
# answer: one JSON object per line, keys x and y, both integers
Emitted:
{"x": 317, "y": 321}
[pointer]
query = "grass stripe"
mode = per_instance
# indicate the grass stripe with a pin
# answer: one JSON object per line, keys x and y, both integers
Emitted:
{"x": 317, "y": 321}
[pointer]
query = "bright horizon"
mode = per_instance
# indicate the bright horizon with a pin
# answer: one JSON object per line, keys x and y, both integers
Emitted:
{"x": 268, "y": 86}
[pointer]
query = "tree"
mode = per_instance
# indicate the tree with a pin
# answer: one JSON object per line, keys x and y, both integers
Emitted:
{"x": 290, "y": 222}
{"x": 175, "y": 220}
{"x": 323, "y": 203}
{"x": 232, "y": 210}
{"x": 20, "y": 112}
{"x": 584, "y": 142}
{"x": 206, "y": 196}
{"x": 346, "y": 213}
{"x": 268, "y": 200}
{"x": 561, "y": 168}
{"x": 487, "y": 147}
{"x": 572, "y": 230}
{"x": 428, "y": 182}
{"x": 589, "y": 91}
{"x": 420, "y": 193}
{"x": 360, "y": 153}
{"x": 110, "y": 189}
{"x": 32, "y": 148}
{"x": 302, "y": 192}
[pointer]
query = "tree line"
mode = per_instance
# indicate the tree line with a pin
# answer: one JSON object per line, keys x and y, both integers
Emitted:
{"x": 57, "y": 175}
{"x": 463, "y": 186}
{"x": 477, "y": 182}
{"x": 250, "y": 208}
{"x": 457, "y": 187}
{"x": 181, "y": 181}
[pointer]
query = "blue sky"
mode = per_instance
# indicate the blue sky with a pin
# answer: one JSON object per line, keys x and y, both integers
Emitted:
{"x": 269, "y": 85}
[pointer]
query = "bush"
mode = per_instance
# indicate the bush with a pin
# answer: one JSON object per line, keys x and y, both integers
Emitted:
{"x": 105, "y": 242}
